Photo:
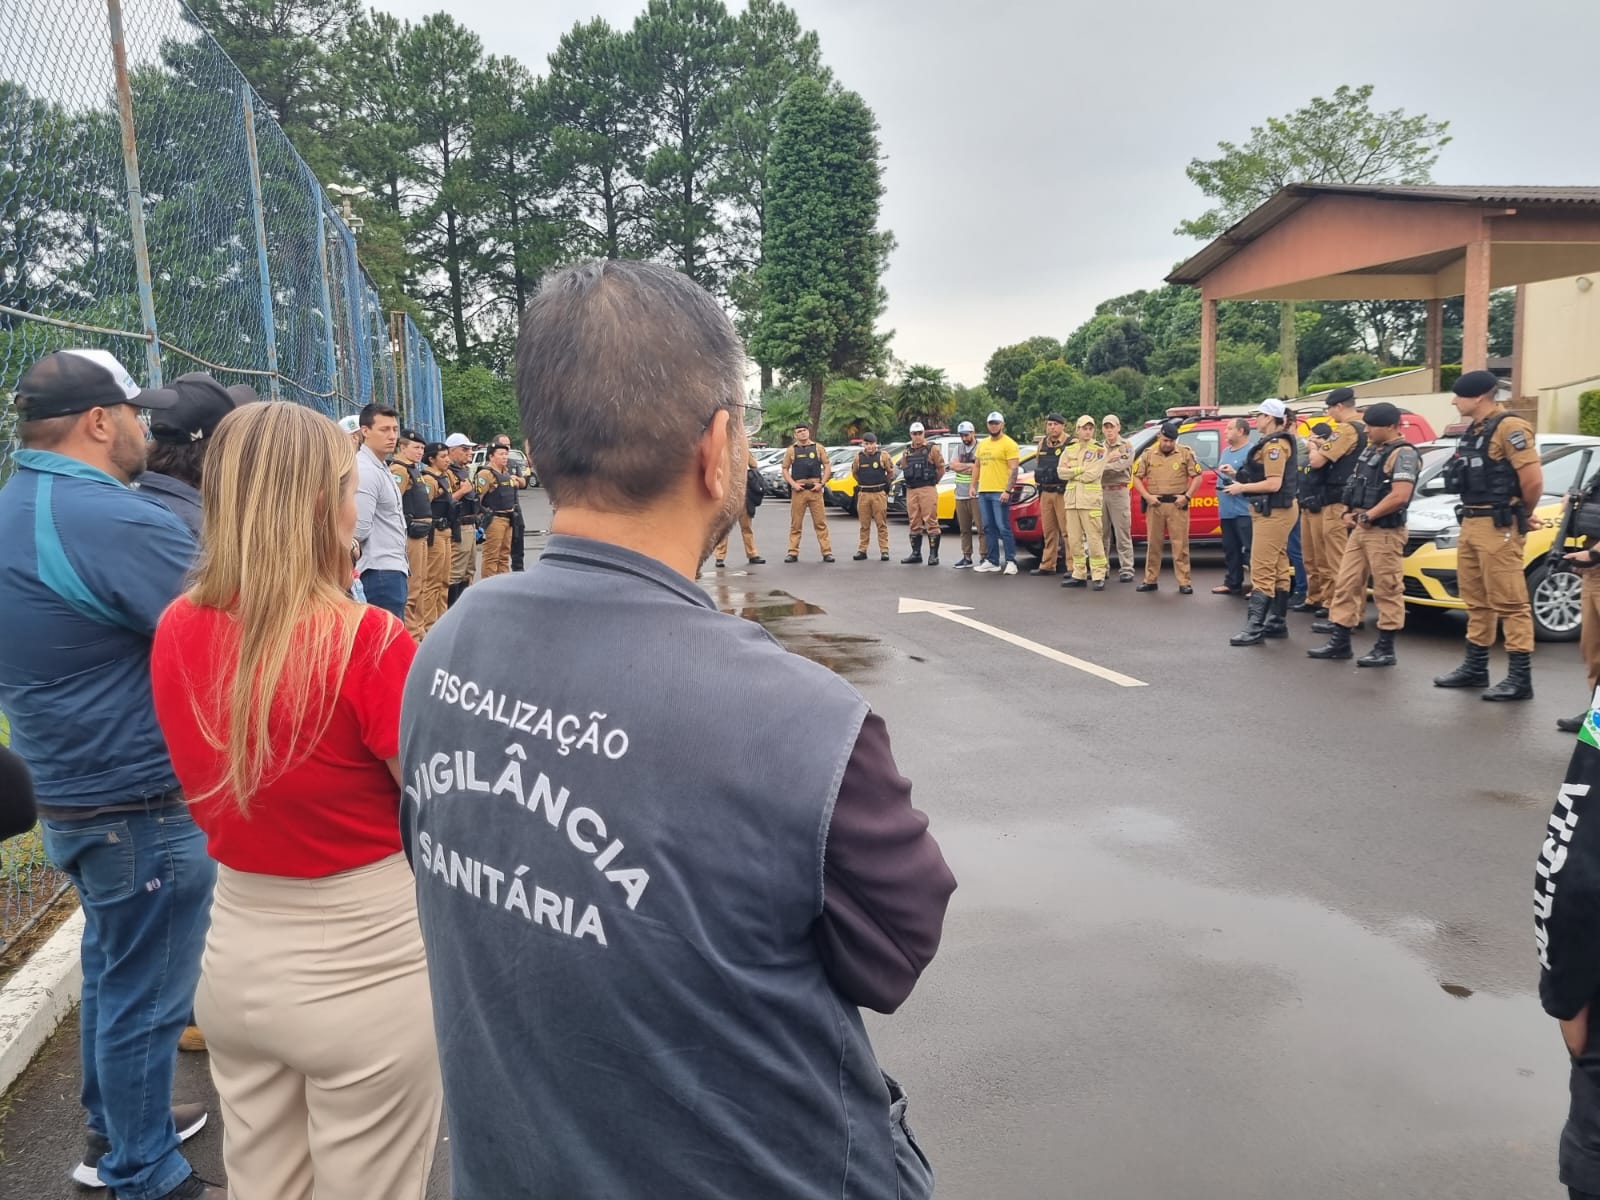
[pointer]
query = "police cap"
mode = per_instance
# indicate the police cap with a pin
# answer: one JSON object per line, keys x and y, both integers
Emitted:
{"x": 1169, "y": 429}
{"x": 1340, "y": 396}
{"x": 1476, "y": 383}
{"x": 432, "y": 450}
{"x": 1383, "y": 415}
{"x": 869, "y": 438}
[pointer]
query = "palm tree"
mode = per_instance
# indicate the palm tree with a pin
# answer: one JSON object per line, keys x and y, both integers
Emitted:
{"x": 924, "y": 395}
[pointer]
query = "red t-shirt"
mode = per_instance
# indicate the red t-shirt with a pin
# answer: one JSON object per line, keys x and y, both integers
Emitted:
{"x": 338, "y": 808}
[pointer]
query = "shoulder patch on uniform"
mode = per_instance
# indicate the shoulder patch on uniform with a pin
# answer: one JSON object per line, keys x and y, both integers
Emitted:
{"x": 1274, "y": 454}
{"x": 1518, "y": 439}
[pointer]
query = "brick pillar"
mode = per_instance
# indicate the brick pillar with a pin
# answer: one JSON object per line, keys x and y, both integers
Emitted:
{"x": 1435, "y": 342}
{"x": 1208, "y": 353}
{"x": 1475, "y": 308}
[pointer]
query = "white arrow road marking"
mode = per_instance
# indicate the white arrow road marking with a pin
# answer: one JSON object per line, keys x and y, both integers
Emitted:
{"x": 952, "y": 612}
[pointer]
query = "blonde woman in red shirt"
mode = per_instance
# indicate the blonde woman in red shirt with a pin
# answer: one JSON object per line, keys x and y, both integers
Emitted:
{"x": 280, "y": 700}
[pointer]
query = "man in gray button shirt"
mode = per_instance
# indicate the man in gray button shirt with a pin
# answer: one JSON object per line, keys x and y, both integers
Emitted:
{"x": 380, "y": 527}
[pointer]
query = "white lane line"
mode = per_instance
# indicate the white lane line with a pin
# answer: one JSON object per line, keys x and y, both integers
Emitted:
{"x": 953, "y": 612}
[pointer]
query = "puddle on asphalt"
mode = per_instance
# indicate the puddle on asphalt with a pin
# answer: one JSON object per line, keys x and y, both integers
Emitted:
{"x": 1456, "y": 990}
{"x": 851, "y": 656}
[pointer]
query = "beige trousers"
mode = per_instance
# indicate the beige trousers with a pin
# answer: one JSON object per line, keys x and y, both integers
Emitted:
{"x": 1117, "y": 532}
{"x": 314, "y": 1001}
{"x": 419, "y": 586}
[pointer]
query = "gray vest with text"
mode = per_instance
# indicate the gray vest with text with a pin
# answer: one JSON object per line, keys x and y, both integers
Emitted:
{"x": 618, "y": 801}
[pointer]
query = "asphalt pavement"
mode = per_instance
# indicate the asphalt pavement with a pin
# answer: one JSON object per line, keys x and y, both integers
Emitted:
{"x": 1258, "y": 927}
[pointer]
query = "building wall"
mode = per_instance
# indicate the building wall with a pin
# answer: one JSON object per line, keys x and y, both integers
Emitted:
{"x": 1561, "y": 348}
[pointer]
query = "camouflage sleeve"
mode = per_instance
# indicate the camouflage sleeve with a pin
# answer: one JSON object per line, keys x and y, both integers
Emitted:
{"x": 1404, "y": 465}
{"x": 1514, "y": 440}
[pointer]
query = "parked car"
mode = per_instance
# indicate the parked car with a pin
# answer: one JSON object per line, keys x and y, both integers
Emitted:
{"x": 841, "y": 489}
{"x": 1434, "y": 532}
{"x": 518, "y": 464}
{"x": 947, "y": 444}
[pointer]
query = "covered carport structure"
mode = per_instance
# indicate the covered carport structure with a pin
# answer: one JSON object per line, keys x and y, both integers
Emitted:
{"x": 1330, "y": 241}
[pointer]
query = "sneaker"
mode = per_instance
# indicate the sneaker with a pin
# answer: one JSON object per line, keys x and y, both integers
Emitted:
{"x": 190, "y": 1119}
{"x": 884, "y": 557}
{"x": 1099, "y": 585}
{"x": 984, "y": 567}
{"x": 1125, "y": 577}
{"x": 965, "y": 562}
{"x": 827, "y": 558}
{"x": 192, "y": 1041}
{"x": 1011, "y": 568}
{"x": 1185, "y": 590}
{"x": 195, "y": 1188}
{"x": 720, "y": 563}
{"x": 859, "y": 556}
{"x": 791, "y": 558}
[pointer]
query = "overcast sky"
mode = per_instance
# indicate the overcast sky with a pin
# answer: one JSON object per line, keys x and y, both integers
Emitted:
{"x": 1035, "y": 154}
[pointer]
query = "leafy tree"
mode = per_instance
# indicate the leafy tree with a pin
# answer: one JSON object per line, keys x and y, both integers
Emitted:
{"x": 781, "y": 410}
{"x": 1324, "y": 329}
{"x": 973, "y": 403}
{"x": 923, "y": 395}
{"x": 598, "y": 130}
{"x": 1344, "y": 368}
{"x": 851, "y": 407}
{"x": 1130, "y": 383}
{"x": 440, "y": 62}
{"x": 1007, "y": 366}
{"x": 1047, "y": 387}
{"x": 824, "y": 254}
{"x": 1341, "y": 139}
{"x": 1123, "y": 344}
{"x": 685, "y": 52}
{"x": 478, "y": 402}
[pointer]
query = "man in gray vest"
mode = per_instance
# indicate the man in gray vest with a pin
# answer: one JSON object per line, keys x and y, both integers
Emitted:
{"x": 647, "y": 961}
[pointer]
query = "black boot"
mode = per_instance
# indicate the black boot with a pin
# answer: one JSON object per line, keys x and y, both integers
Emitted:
{"x": 1382, "y": 654}
{"x": 1329, "y": 626}
{"x": 1518, "y": 683}
{"x": 1338, "y": 645}
{"x": 1303, "y": 605}
{"x": 916, "y": 550}
{"x": 1260, "y": 602}
{"x": 1572, "y": 724}
{"x": 933, "y": 549}
{"x": 452, "y": 594}
{"x": 1472, "y": 673}
{"x": 1277, "y": 625}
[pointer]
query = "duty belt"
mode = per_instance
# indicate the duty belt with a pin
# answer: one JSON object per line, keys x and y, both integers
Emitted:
{"x": 877, "y": 487}
{"x": 1115, "y": 487}
{"x": 1052, "y": 487}
{"x": 1478, "y": 511}
{"x": 1167, "y": 499}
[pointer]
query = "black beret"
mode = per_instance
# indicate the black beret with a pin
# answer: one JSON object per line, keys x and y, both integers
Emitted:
{"x": 1476, "y": 383}
{"x": 1169, "y": 429}
{"x": 1340, "y": 396}
{"x": 1382, "y": 414}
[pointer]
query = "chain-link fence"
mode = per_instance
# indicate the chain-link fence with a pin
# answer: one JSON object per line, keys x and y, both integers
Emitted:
{"x": 151, "y": 206}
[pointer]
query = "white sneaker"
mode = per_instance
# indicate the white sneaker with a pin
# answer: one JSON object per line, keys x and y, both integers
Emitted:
{"x": 984, "y": 567}
{"x": 1011, "y": 569}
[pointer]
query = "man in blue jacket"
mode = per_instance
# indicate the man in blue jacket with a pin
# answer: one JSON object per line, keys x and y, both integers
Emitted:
{"x": 86, "y": 569}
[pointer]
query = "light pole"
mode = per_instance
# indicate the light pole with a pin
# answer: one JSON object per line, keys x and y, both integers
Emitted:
{"x": 346, "y": 195}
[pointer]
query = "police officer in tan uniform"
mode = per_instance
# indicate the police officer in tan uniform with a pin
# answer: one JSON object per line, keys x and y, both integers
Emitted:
{"x": 746, "y": 529}
{"x": 873, "y": 473}
{"x": 1331, "y": 460}
{"x": 1115, "y": 481}
{"x": 417, "y": 492}
{"x": 1081, "y": 468}
{"x": 1052, "y": 491}
{"x": 806, "y": 469}
{"x": 497, "y": 491}
{"x": 921, "y": 468}
{"x": 1497, "y": 474}
{"x": 1166, "y": 476}
{"x": 1269, "y": 478}
{"x": 1374, "y": 498}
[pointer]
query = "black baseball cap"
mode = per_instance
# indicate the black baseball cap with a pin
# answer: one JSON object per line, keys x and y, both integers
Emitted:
{"x": 74, "y": 381}
{"x": 202, "y": 403}
{"x": 1382, "y": 414}
{"x": 1170, "y": 429}
{"x": 1476, "y": 383}
{"x": 1057, "y": 418}
{"x": 1340, "y": 396}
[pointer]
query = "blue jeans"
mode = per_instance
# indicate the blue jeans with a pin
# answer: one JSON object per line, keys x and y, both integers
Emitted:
{"x": 144, "y": 881}
{"x": 997, "y": 526}
{"x": 386, "y": 590}
{"x": 1297, "y": 560}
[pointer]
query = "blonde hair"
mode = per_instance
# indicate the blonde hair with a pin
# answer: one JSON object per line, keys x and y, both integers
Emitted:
{"x": 271, "y": 558}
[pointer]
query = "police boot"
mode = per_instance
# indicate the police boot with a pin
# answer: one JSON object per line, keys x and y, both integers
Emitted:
{"x": 1572, "y": 724}
{"x": 1301, "y": 604}
{"x": 1381, "y": 655}
{"x": 1338, "y": 645}
{"x": 1256, "y": 619}
{"x": 1472, "y": 673}
{"x": 916, "y": 550}
{"x": 452, "y": 594}
{"x": 1329, "y": 626}
{"x": 1518, "y": 683}
{"x": 933, "y": 549}
{"x": 1277, "y": 625}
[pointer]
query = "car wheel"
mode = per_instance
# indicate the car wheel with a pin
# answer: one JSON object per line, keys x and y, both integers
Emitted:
{"x": 1557, "y": 603}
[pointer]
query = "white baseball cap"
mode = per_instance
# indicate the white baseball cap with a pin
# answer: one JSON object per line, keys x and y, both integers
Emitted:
{"x": 1274, "y": 408}
{"x": 457, "y": 439}
{"x": 965, "y": 427}
{"x": 994, "y": 416}
{"x": 916, "y": 427}
{"x": 350, "y": 424}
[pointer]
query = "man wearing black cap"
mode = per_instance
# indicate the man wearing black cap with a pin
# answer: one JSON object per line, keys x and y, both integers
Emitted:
{"x": 417, "y": 490}
{"x": 1329, "y": 464}
{"x": 86, "y": 569}
{"x": 179, "y": 438}
{"x": 1166, "y": 476}
{"x": 873, "y": 473}
{"x": 497, "y": 500}
{"x": 442, "y": 501}
{"x": 1052, "y": 496}
{"x": 1374, "y": 498}
{"x": 1497, "y": 474}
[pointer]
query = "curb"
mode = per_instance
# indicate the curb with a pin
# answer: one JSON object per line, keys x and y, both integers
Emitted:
{"x": 37, "y": 997}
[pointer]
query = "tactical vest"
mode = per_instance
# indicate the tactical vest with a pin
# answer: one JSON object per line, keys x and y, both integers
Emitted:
{"x": 917, "y": 467}
{"x": 1255, "y": 471}
{"x": 1339, "y": 471}
{"x": 467, "y": 506}
{"x": 1047, "y": 465}
{"x": 444, "y": 506}
{"x": 807, "y": 462}
{"x": 1586, "y": 516}
{"x": 1477, "y": 478}
{"x": 1368, "y": 483}
{"x": 618, "y": 826}
{"x": 415, "y": 506}
{"x": 871, "y": 475}
{"x": 502, "y": 499}
{"x": 1313, "y": 487}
